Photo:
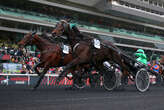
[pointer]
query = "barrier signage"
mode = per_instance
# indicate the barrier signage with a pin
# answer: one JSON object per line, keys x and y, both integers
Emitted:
{"x": 31, "y": 79}
{"x": 34, "y": 79}
{"x": 18, "y": 80}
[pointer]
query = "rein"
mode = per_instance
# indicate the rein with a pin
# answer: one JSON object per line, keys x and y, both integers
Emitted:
{"x": 31, "y": 38}
{"x": 49, "y": 50}
{"x": 30, "y": 41}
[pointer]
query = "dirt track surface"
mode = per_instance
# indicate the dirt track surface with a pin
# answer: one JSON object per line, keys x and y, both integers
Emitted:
{"x": 50, "y": 98}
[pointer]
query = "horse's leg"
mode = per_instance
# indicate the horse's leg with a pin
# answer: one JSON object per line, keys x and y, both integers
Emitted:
{"x": 116, "y": 57}
{"x": 75, "y": 62}
{"x": 40, "y": 78}
{"x": 35, "y": 68}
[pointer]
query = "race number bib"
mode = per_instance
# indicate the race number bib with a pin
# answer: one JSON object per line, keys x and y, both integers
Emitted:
{"x": 96, "y": 43}
{"x": 65, "y": 49}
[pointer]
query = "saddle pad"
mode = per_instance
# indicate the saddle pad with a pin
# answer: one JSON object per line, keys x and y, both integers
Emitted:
{"x": 65, "y": 49}
{"x": 96, "y": 43}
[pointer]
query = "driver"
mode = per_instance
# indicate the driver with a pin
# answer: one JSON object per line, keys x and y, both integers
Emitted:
{"x": 156, "y": 67}
{"x": 74, "y": 27}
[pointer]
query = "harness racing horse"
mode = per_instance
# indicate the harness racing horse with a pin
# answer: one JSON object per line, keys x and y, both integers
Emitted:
{"x": 51, "y": 54}
{"x": 85, "y": 53}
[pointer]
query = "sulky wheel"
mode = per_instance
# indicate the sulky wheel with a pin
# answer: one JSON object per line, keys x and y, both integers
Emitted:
{"x": 110, "y": 80}
{"x": 142, "y": 80}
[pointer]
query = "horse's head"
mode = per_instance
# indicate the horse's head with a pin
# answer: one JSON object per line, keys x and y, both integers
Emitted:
{"x": 27, "y": 40}
{"x": 61, "y": 28}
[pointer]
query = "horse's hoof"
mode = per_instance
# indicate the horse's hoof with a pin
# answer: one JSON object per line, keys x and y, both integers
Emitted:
{"x": 71, "y": 88}
{"x": 120, "y": 88}
{"x": 68, "y": 88}
{"x": 33, "y": 89}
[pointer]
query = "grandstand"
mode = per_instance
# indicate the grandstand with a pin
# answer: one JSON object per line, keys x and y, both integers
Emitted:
{"x": 130, "y": 24}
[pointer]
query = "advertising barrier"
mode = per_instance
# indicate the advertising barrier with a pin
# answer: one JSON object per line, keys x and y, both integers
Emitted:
{"x": 48, "y": 80}
{"x": 10, "y": 75}
{"x": 18, "y": 80}
{"x": 31, "y": 79}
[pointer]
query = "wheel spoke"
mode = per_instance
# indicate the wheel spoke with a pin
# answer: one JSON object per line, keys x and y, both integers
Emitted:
{"x": 110, "y": 80}
{"x": 142, "y": 80}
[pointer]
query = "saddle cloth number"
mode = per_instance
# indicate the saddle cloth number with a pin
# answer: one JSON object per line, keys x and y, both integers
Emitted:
{"x": 96, "y": 43}
{"x": 66, "y": 49}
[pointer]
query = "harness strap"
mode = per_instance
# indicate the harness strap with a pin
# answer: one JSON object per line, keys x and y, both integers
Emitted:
{"x": 75, "y": 46}
{"x": 45, "y": 51}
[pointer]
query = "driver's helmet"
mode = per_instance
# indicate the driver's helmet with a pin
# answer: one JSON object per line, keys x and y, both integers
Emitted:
{"x": 140, "y": 51}
{"x": 67, "y": 18}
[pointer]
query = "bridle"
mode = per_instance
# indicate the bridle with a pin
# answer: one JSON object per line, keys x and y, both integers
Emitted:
{"x": 65, "y": 25}
{"x": 31, "y": 38}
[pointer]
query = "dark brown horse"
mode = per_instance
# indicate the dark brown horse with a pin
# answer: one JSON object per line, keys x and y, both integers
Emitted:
{"x": 85, "y": 52}
{"x": 51, "y": 54}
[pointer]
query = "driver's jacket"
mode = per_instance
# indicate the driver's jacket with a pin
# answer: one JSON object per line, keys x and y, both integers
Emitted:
{"x": 141, "y": 58}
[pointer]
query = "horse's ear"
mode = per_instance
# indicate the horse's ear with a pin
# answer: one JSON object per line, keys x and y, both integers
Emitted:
{"x": 65, "y": 25}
